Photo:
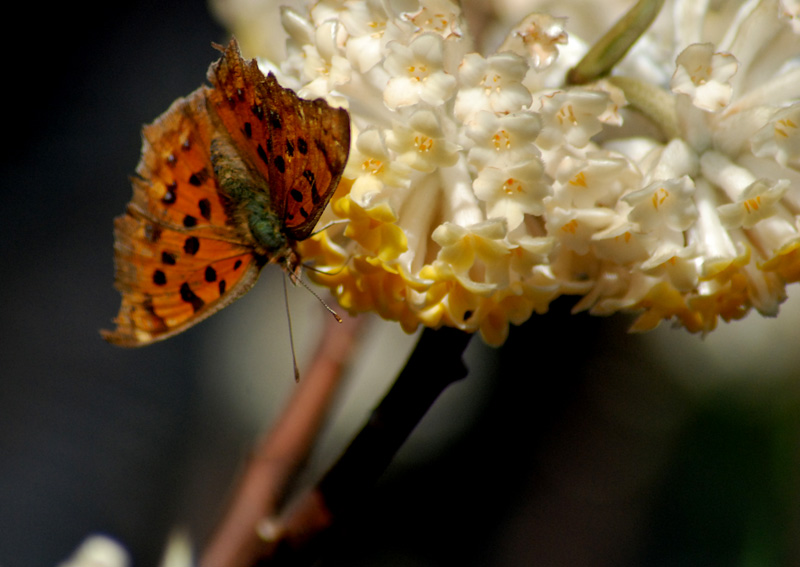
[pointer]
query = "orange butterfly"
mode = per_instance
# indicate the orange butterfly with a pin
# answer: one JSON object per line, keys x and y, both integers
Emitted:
{"x": 229, "y": 179}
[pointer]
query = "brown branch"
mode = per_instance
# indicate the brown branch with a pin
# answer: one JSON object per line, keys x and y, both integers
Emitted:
{"x": 281, "y": 453}
{"x": 298, "y": 538}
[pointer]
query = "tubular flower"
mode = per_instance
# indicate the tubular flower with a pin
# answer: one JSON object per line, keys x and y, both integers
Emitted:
{"x": 481, "y": 185}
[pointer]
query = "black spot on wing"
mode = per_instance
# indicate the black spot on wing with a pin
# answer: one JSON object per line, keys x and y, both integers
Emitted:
{"x": 170, "y": 194}
{"x": 205, "y": 208}
{"x": 191, "y": 245}
{"x": 262, "y": 154}
{"x": 191, "y": 297}
{"x": 152, "y": 232}
{"x": 275, "y": 120}
{"x": 312, "y": 182}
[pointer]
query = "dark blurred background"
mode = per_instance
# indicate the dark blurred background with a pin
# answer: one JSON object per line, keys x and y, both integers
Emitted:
{"x": 575, "y": 444}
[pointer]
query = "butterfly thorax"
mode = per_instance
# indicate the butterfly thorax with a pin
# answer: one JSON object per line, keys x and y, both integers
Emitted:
{"x": 249, "y": 207}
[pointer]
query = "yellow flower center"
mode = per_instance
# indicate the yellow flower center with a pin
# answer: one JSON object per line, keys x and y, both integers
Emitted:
{"x": 659, "y": 196}
{"x": 567, "y": 114}
{"x": 423, "y": 143}
{"x": 373, "y": 166}
{"x": 782, "y": 127}
{"x": 501, "y": 139}
{"x": 579, "y": 179}
{"x": 511, "y": 186}
{"x": 571, "y": 226}
{"x": 752, "y": 205}
{"x": 418, "y": 72}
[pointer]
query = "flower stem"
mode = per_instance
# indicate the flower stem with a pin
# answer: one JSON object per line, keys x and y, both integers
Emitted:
{"x": 653, "y": 102}
{"x": 613, "y": 46}
{"x": 435, "y": 364}
{"x": 282, "y": 452}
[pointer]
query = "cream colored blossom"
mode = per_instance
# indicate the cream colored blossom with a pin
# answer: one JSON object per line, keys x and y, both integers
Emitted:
{"x": 481, "y": 186}
{"x": 537, "y": 37}
{"x": 704, "y": 76}
{"x": 416, "y": 73}
{"x": 98, "y": 551}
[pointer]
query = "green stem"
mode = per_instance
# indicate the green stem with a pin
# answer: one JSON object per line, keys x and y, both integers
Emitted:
{"x": 613, "y": 46}
{"x": 653, "y": 102}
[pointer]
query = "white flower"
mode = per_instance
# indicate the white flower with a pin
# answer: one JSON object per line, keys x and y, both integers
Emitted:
{"x": 374, "y": 170}
{"x": 422, "y": 143}
{"x": 667, "y": 202}
{"x": 416, "y": 73}
{"x": 704, "y": 76}
{"x": 503, "y": 138}
{"x": 513, "y": 191}
{"x": 571, "y": 117}
{"x": 780, "y": 137}
{"x": 439, "y": 16}
{"x": 492, "y": 84}
{"x": 481, "y": 186}
{"x": 537, "y": 37}
{"x": 98, "y": 551}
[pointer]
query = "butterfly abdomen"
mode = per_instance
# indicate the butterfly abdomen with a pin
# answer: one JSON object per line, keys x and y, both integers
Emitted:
{"x": 266, "y": 229}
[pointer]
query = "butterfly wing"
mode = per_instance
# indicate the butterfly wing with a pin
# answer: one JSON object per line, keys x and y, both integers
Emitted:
{"x": 183, "y": 248}
{"x": 178, "y": 257}
{"x": 299, "y": 146}
{"x": 171, "y": 280}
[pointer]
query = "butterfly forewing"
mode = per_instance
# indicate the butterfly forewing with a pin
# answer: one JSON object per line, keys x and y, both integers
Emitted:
{"x": 299, "y": 146}
{"x": 310, "y": 143}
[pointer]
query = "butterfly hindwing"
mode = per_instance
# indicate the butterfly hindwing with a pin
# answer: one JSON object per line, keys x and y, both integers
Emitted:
{"x": 178, "y": 256}
{"x": 170, "y": 279}
{"x": 174, "y": 180}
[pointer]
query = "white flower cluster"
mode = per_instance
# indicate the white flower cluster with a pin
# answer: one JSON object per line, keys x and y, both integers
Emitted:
{"x": 480, "y": 187}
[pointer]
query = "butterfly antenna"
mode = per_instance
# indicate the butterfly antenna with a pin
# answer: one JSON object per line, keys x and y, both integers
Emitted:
{"x": 296, "y": 279}
{"x": 327, "y": 272}
{"x": 291, "y": 334}
{"x": 327, "y": 226}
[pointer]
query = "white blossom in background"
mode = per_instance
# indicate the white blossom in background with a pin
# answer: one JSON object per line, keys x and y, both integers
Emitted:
{"x": 98, "y": 551}
{"x": 102, "y": 551}
{"x": 481, "y": 186}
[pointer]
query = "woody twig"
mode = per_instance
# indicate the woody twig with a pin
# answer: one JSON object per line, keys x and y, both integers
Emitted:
{"x": 281, "y": 453}
{"x": 298, "y": 537}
